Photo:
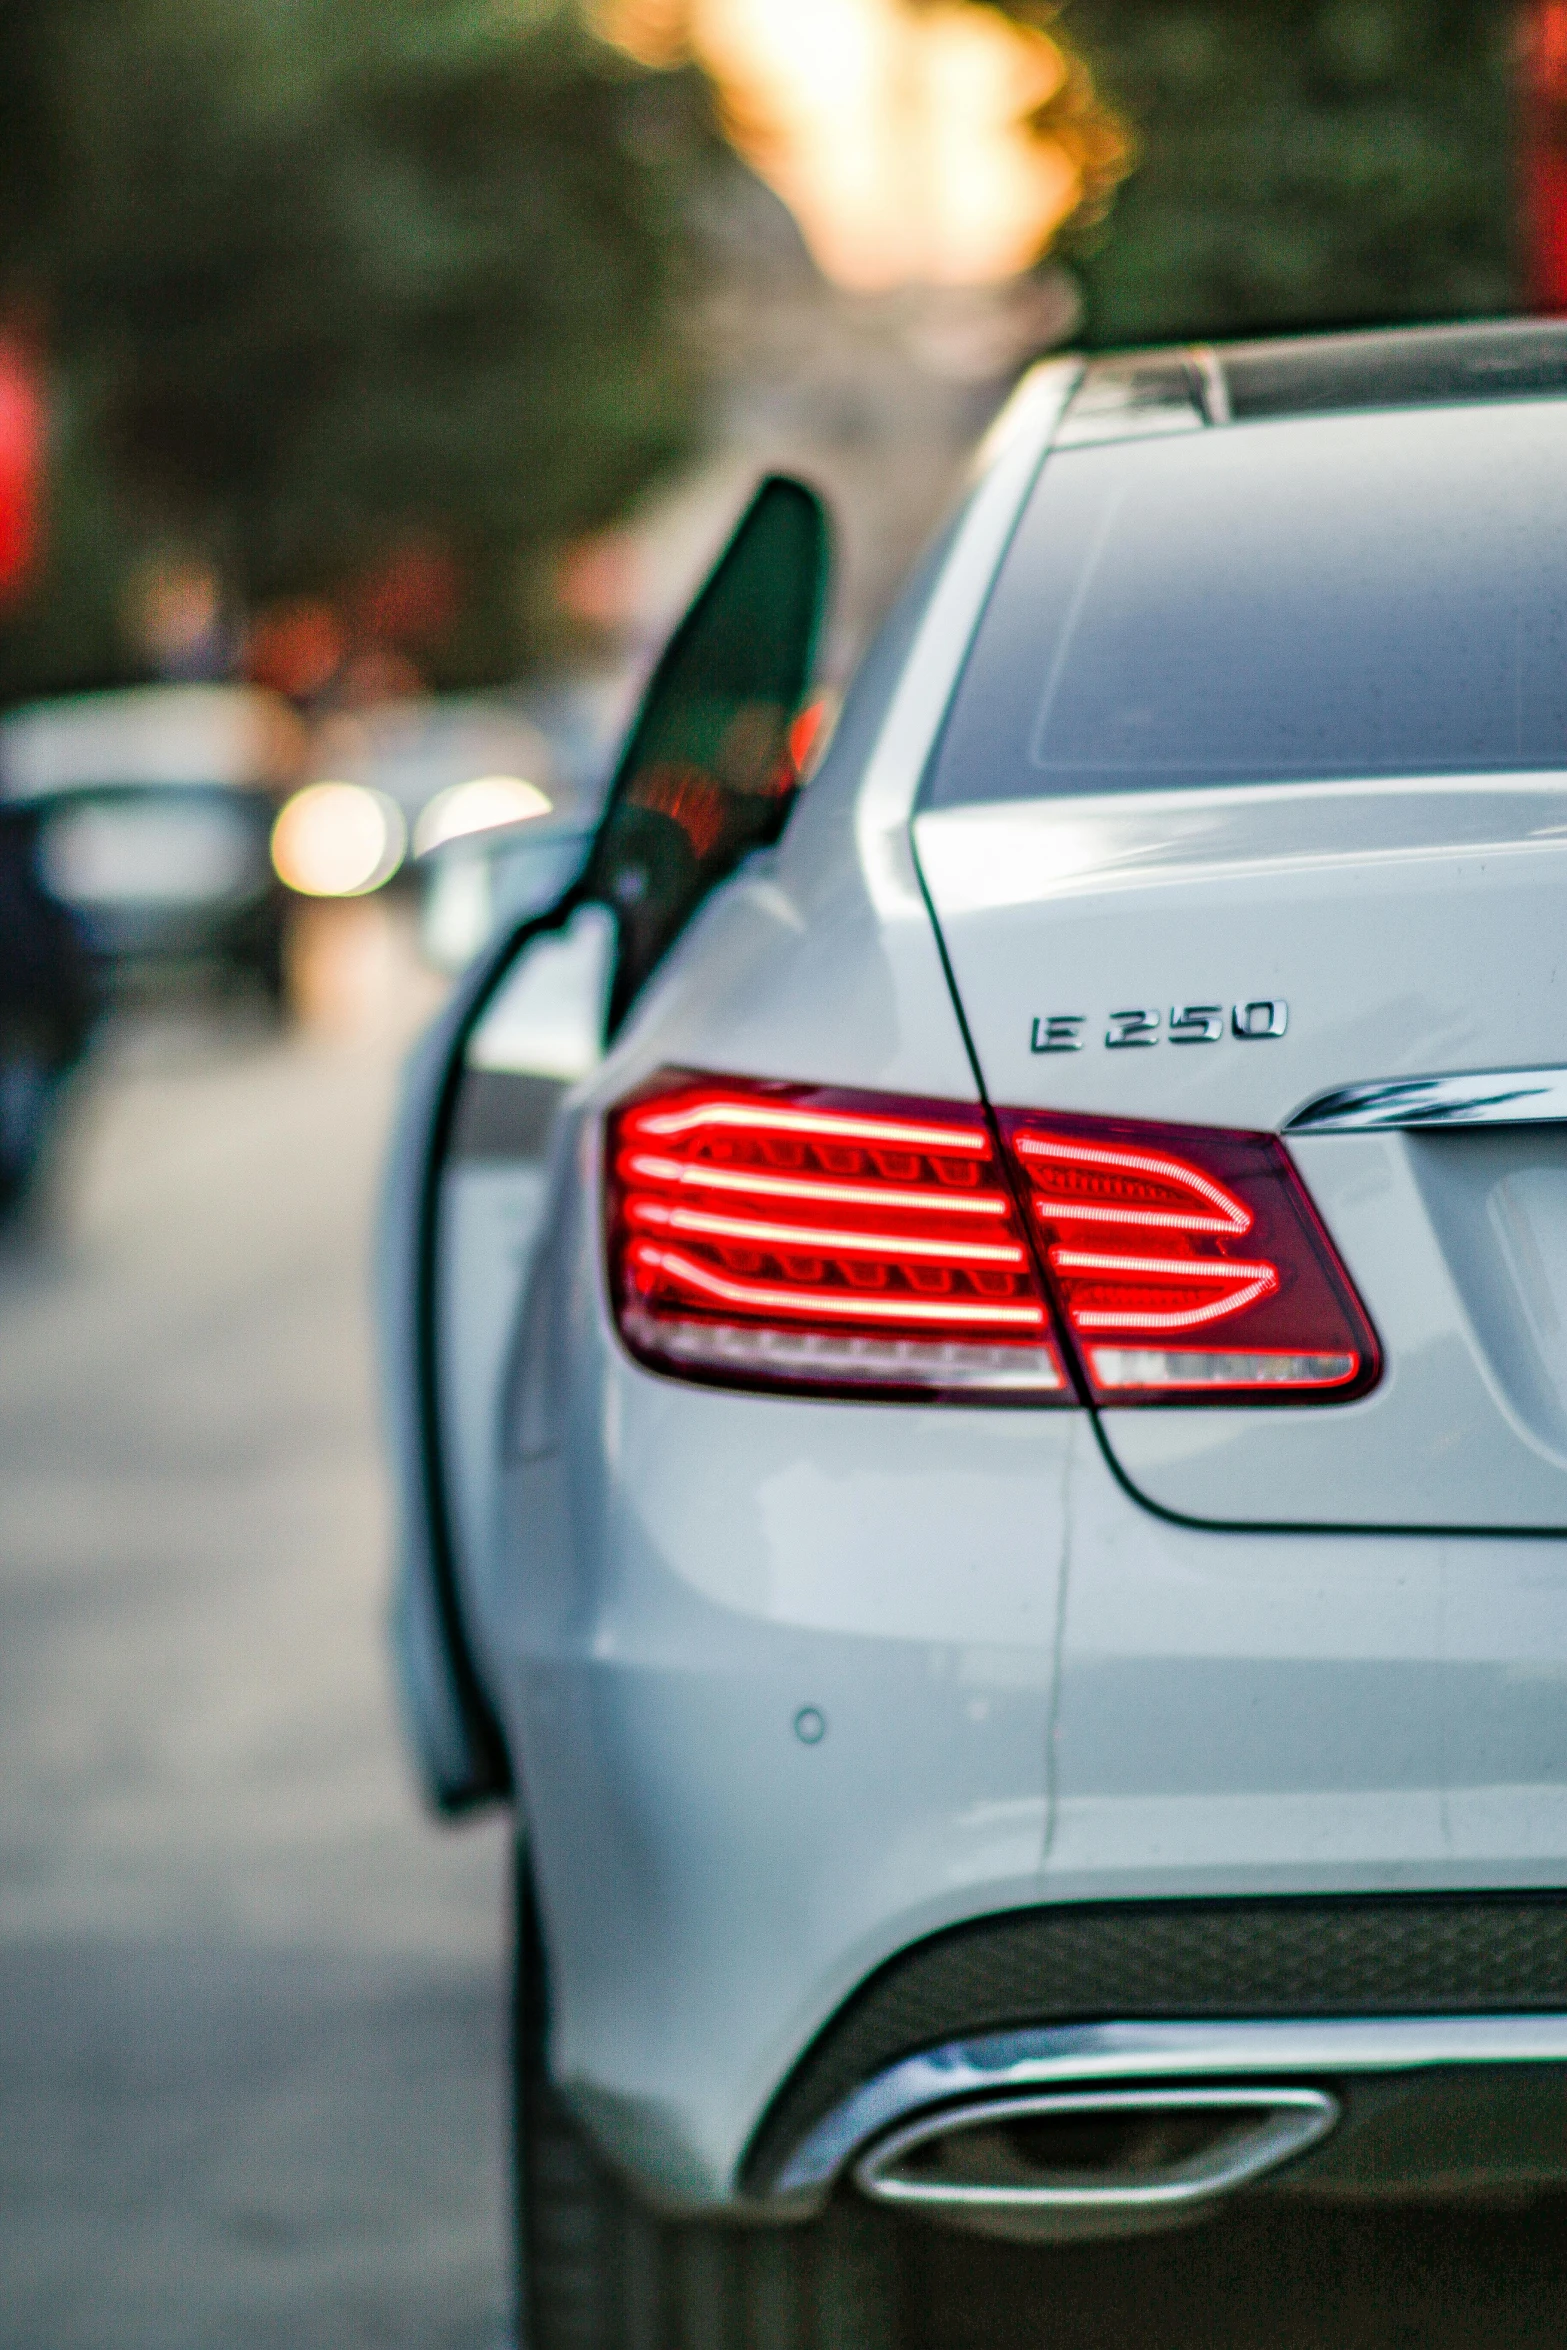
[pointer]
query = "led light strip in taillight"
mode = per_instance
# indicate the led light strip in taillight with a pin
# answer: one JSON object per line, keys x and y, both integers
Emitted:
{"x": 1095, "y": 1184}
{"x": 784, "y": 1236}
{"x": 1147, "y": 1290}
{"x": 1189, "y": 1264}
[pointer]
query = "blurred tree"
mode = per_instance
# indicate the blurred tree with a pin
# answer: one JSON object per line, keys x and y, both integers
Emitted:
{"x": 329, "y": 278}
{"x": 28, "y": 162}
{"x": 1301, "y": 163}
{"x": 343, "y": 292}
{"x": 67, "y": 630}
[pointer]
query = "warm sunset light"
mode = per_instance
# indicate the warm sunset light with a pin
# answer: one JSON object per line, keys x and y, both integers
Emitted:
{"x": 937, "y": 144}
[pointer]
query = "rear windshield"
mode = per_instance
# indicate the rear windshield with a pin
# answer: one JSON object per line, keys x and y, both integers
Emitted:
{"x": 1346, "y": 596}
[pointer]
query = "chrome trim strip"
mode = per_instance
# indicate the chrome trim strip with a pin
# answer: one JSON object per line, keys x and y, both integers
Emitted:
{"x": 1477, "y": 1097}
{"x": 1080, "y": 2054}
{"x": 1288, "y": 2121}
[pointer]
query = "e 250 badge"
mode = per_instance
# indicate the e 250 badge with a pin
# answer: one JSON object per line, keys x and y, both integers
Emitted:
{"x": 1067, "y": 1032}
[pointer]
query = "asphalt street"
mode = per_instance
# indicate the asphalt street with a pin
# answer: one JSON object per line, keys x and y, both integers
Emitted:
{"x": 250, "y": 2000}
{"x": 251, "y": 2024}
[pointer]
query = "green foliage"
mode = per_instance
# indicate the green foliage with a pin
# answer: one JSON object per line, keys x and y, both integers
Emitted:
{"x": 326, "y": 276}
{"x": 1301, "y": 163}
{"x": 329, "y": 274}
{"x": 69, "y": 631}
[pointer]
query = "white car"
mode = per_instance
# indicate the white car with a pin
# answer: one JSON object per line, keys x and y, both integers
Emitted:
{"x": 980, "y": 1377}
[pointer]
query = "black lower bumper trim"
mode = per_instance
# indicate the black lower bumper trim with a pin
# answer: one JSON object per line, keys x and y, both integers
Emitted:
{"x": 1415, "y": 1954}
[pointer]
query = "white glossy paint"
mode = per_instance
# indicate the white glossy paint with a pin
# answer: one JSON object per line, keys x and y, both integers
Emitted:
{"x": 676, "y": 1574}
{"x": 491, "y": 1213}
{"x": 547, "y": 1018}
{"x": 1240, "y": 1712}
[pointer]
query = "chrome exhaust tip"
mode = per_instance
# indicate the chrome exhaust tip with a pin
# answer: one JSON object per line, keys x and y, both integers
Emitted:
{"x": 1091, "y": 2161}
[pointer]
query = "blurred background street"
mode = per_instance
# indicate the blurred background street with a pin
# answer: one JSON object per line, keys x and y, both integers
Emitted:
{"x": 251, "y": 2035}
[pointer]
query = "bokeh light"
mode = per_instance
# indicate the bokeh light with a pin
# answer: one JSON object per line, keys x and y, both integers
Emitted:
{"x": 484, "y": 805}
{"x": 934, "y": 142}
{"x": 338, "y": 840}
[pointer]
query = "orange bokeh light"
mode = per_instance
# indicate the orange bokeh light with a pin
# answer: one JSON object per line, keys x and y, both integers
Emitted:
{"x": 936, "y": 142}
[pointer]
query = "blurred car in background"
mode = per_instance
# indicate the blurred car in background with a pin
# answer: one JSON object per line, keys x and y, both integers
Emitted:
{"x": 153, "y": 811}
{"x": 487, "y": 804}
{"x": 46, "y": 1005}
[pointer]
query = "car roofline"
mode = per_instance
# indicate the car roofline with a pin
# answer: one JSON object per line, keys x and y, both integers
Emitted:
{"x": 1188, "y": 386}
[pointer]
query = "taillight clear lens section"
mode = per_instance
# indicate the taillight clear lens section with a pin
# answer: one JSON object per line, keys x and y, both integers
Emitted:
{"x": 1190, "y": 1264}
{"x": 793, "y": 1237}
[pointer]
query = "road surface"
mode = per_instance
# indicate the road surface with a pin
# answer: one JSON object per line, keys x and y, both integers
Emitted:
{"x": 250, "y": 1999}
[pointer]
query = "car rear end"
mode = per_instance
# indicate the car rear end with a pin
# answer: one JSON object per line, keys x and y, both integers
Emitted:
{"x": 1028, "y": 1586}
{"x": 154, "y": 810}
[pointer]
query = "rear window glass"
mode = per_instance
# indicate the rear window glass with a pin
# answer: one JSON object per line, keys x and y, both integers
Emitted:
{"x": 1346, "y": 596}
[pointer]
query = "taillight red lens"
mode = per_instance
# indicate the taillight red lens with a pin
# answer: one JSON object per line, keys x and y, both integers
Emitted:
{"x": 1190, "y": 1264}
{"x": 789, "y": 1236}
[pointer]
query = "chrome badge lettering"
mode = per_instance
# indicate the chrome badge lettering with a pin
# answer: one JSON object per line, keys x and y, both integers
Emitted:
{"x": 1067, "y": 1032}
{"x": 1132, "y": 1028}
{"x": 1059, "y": 1032}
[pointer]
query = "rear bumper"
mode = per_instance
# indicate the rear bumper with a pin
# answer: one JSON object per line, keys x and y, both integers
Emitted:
{"x": 1450, "y": 2007}
{"x": 1035, "y": 1697}
{"x": 745, "y": 1787}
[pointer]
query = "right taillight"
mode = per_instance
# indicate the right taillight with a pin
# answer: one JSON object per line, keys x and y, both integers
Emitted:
{"x": 1189, "y": 1264}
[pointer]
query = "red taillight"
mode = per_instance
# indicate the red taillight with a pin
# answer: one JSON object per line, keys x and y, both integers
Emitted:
{"x": 787, "y": 1236}
{"x": 794, "y": 1237}
{"x": 1189, "y": 1263}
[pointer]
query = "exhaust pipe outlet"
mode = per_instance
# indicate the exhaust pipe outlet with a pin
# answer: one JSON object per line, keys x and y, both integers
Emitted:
{"x": 1091, "y": 2162}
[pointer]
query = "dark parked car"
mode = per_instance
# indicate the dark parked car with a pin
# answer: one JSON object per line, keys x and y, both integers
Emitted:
{"x": 46, "y": 1004}
{"x": 155, "y": 810}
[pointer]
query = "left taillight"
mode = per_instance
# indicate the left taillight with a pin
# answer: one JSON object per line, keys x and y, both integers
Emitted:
{"x": 825, "y": 1242}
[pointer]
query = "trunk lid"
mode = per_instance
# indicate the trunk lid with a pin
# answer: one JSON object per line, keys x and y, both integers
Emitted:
{"x": 1331, "y": 936}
